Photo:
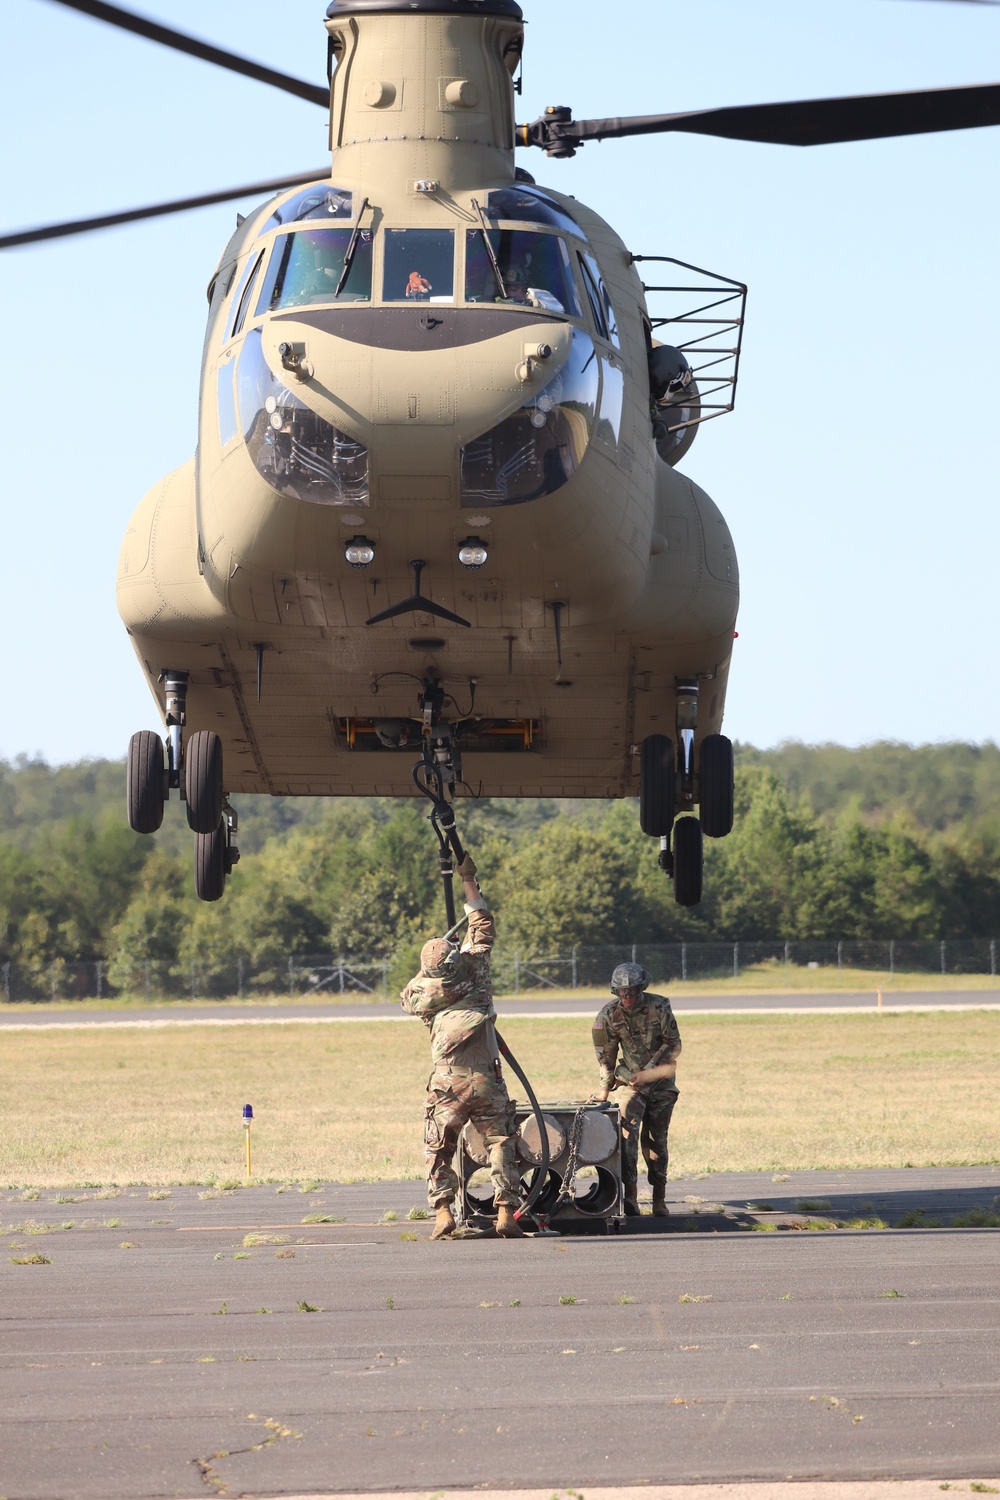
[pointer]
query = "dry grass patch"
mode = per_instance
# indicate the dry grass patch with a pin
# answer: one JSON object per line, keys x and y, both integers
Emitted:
{"x": 767, "y": 1093}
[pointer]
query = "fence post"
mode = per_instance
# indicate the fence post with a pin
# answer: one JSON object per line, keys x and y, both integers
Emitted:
{"x": 944, "y": 957}
{"x": 892, "y": 956}
{"x": 100, "y": 979}
{"x": 239, "y": 978}
{"x": 340, "y": 973}
{"x": 574, "y": 963}
{"x": 840, "y": 955}
{"x": 52, "y": 981}
{"x": 146, "y": 967}
{"x": 6, "y": 983}
{"x": 634, "y": 953}
{"x": 291, "y": 975}
{"x": 517, "y": 973}
{"x": 736, "y": 960}
{"x": 684, "y": 960}
{"x": 385, "y": 976}
{"x": 788, "y": 951}
{"x": 193, "y": 980}
{"x": 993, "y": 964}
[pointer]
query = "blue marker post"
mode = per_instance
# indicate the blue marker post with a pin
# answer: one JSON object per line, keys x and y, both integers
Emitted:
{"x": 247, "y": 1117}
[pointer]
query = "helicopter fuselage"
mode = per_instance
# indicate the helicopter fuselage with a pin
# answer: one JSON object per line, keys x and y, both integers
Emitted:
{"x": 427, "y": 359}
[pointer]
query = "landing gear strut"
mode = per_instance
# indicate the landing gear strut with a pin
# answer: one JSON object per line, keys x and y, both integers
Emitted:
{"x": 194, "y": 770}
{"x": 677, "y": 802}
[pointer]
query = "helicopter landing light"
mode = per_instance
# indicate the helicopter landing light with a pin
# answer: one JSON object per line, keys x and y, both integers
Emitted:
{"x": 359, "y": 552}
{"x": 473, "y": 553}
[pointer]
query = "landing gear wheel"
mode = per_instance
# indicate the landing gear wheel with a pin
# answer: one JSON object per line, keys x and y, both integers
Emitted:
{"x": 203, "y": 781}
{"x": 210, "y": 861}
{"x": 687, "y": 861}
{"x": 144, "y": 789}
{"x": 716, "y": 785}
{"x": 656, "y": 785}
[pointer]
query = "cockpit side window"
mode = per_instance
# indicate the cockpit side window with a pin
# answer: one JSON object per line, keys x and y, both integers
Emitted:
{"x": 534, "y": 270}
{"x": 246, "y": 292}
{"x": 600, "y": 300}
{"x": 419, "y": 265}
{"x": 307, "y": 267}
{"x": 594, "y": 298}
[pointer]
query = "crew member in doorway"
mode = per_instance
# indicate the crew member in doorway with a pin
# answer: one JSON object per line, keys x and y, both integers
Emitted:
{"x": 453, "y": 996}
{"x": 637, "y": 1044}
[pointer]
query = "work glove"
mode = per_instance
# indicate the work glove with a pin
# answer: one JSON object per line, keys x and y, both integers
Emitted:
{"x": 467, "y": 869}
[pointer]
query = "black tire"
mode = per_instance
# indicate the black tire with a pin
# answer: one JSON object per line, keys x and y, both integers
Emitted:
{"x": 203, "y": 781}
{"x": 716, "y": 785}
{"x": 687, "y": 861}
{"x": 144, "y": 789}
{"x": 656, "y": 785}
{"x": 210, "y": 863}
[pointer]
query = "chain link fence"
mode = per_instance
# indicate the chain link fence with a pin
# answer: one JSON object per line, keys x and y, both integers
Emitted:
{"x": 514, "y": 973}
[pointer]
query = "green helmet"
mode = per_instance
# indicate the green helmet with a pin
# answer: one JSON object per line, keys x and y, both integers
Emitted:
{"x": 629, "y": 977}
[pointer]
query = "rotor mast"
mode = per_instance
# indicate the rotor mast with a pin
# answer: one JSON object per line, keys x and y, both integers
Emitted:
{"x": 423, "y": 92}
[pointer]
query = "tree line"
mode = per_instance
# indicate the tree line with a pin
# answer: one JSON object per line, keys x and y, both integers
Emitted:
{"x": 819, "y": 851}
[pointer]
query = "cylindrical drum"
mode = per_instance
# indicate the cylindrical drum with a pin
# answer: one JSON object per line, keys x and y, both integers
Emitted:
{"x": 598, "y": 1137}
{"x": 529, "y": 1140}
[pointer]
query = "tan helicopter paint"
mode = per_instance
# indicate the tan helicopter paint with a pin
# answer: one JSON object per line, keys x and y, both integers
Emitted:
{"x": 216, "y": 563}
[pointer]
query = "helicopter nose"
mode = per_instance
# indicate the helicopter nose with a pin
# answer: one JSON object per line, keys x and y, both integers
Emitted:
{"x": 434, "y": 378}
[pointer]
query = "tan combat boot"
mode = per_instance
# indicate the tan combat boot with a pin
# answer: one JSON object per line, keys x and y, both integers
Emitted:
{"x": 444, "y": 1223}
{"x": 660, "y": 1209}
{"x": 507, "y": 1226}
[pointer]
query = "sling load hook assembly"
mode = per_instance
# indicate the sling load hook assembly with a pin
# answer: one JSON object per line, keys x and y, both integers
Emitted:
{"x": 435, "y": 775}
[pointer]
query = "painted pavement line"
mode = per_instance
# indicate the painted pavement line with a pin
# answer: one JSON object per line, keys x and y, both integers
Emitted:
{"x": 534, "y": 1015}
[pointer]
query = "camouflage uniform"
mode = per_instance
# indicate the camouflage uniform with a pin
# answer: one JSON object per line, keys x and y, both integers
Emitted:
{"x": 466, "y": 1082}
{"x": 626, "y": 1041}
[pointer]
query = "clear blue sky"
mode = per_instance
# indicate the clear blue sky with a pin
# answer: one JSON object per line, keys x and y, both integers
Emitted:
{"x": 858, "y": 473}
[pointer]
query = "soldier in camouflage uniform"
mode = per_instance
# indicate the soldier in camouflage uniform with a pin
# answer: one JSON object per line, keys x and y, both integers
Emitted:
{"x": 637, "y": 1044}
{"x": 453, "y": 996}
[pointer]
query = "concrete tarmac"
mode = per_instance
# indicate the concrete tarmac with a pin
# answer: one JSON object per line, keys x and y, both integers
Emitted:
{"x": 233, "y": 1013}
{"x": 158, "y": 1351}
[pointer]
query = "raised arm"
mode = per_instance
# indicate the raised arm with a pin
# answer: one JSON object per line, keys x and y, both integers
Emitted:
{"x": 482, "y": 932}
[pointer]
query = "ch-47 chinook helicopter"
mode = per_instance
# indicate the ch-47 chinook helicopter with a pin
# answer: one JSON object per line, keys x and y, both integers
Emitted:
{"x": 434, "y": 512}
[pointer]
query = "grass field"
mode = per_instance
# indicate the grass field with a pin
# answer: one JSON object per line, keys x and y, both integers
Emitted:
{"x": 345, "y": 1102}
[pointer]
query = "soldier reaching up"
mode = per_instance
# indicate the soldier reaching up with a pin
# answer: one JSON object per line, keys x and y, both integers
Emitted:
{"x": 453, "y": 996}
{"x": 637, "y": 1044}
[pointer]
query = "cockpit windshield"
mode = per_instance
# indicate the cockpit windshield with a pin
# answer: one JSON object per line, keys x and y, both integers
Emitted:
{"x": 308, "y": 266}
{"x": 531, "y": 269}
{"x": 419, "y": 265}
{"x": 318, "y": 201}
{"x": 530, "y": 206}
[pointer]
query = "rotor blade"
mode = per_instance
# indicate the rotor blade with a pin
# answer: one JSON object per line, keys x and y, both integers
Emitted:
{"x": 181, "y": 42}
{"x": 157, "y": 210}
{"x": 805, "y": 122}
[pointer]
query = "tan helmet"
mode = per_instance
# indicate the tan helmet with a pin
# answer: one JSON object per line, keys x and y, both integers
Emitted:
{"x": 437, "y": 957}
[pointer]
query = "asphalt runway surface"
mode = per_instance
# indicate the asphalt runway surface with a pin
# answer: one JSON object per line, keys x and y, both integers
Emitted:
{"x": 232, "y": 1013}
{"x": 158, "y": 1353}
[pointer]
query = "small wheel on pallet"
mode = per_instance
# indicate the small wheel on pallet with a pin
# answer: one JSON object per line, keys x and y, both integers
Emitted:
{"x": 716, "y": 785}
{"x": 687, "y": 861}
{"x": 210, "y": 863}
{"x": 203, "y": 781}
{"x": 656, "y": 785}
{"x": 145, "y": 789}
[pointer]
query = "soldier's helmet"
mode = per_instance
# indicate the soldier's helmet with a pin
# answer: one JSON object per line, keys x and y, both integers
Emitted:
{"x": 437, "y": 958}
{"x": 629, "y": 977}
